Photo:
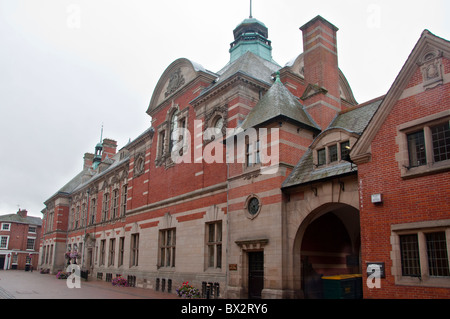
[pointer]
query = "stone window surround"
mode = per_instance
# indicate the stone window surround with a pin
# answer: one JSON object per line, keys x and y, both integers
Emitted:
{"x": 162, "y": 155}
{"x": 402, "y": 156}
{"x": 420, "y": 228}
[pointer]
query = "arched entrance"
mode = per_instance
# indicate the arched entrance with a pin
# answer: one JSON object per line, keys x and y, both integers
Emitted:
{"x": 328, "y": 243}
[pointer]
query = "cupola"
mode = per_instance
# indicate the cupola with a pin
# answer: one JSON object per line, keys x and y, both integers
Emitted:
{"x": 251, "y": 35}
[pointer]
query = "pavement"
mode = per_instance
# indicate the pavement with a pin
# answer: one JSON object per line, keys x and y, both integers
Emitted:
{"x": 20, "y": 284}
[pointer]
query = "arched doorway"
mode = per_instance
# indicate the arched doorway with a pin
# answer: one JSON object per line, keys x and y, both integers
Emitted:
{"x": 327, "y": 244}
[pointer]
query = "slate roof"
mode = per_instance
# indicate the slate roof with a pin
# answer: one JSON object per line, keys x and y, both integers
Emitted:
{"x": 278, "y": 102}
{"x": 356, "y": 119}
{"x": 248, "y": 64}
{"x": 251, "y": 65}
{"x": 15, "y": 218}
{"x": 70, "y": 186}
{"x": 353, "y": 121}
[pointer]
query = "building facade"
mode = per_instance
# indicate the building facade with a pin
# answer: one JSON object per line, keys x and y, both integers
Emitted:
{"x": 248, "y": 182}
{"x": 20, "y": 236}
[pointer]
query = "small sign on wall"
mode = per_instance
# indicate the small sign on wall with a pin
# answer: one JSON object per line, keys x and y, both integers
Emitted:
{"x": 232, "y": 267}
{"x": 377, "y": 198}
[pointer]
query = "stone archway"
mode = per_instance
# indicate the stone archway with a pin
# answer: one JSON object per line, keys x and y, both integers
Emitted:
{"x": 327, "y": 243}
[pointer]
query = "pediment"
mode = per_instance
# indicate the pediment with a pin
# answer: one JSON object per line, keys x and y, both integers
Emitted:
{"x": 177, "y": 75}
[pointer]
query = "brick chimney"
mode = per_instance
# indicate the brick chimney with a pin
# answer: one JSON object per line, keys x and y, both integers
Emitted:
{"x": 322, "y": 95}
{"x": 88, "y": 160}
{"x": 109, "y": 148}
{"x": 22, "y": 213}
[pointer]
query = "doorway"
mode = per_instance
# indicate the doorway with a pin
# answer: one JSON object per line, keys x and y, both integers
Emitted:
{"x": 255, "y": 274}
{"x": 2, "y": 262}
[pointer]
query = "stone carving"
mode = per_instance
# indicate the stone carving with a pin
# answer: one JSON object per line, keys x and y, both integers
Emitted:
{"x": 175, "y": 82}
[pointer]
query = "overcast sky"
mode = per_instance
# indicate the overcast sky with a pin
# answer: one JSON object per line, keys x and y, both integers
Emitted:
{"x": 69, "y": 66}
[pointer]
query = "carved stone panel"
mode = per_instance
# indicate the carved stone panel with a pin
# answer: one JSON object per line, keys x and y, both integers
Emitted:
{"x": 176, "y": 81}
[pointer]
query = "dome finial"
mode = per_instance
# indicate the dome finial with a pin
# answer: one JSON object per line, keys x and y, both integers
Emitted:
{"x": 250, "y": 10}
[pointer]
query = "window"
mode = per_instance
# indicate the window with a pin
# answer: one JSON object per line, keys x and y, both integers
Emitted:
{"x": 105, "y": 206}
{"x": 49, "y": 225}
{"x": 409, "y": 246}
{"x": 321, "y": 157}
{"x": 424, "y": 145}
{"x": 30, "y": 243}
{"x": 115, "y": 208}
{"x": 121, "y": 250}
{"x": 161, "y": 141}
{"x": 416, "y": 149}
{"x": 124, "y": 200}
{"x": 437, "y": 254}
{"x": 112, "y": 249}
{"x": 252, "y": 156}
{"x": 102, "y": 251}
{"x": 32, "y": 229}
{"x": 333, "y": 153}
{"x": 420, "y": 253}
{"x": 345, "y": 150}
{"x": 214, "y": 244}
{"x": 167, "y": 244}
{"x": 6, "y": 226}
{"x": 4, "y": 242}
{"x": 134, "y": 250}
{"x": 77, "y": 216}
{"x": 93, "y": 210}
{"x": 441, "y": 142}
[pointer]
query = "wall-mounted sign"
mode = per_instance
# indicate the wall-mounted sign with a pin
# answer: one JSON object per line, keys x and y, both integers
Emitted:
{"x": 232, "y": 266}
{"x": 377, "y": 198}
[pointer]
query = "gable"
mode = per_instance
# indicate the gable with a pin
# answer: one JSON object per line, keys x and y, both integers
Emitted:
{"x": 426, "y": 68}
{"x": 177, "y": 75}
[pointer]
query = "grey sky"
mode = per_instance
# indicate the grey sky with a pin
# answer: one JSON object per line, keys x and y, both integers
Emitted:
{"x": 67, "y": 66}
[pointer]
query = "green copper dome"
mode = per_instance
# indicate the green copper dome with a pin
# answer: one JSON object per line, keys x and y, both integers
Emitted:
{"x": 251, "y": 35}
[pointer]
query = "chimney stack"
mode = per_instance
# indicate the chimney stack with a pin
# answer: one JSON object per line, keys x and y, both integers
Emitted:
{"x": 322, "y": 95}
{"x": 88, "y": 160}
{"x": 109, "y": 148}
{"x": 22, "y": 213}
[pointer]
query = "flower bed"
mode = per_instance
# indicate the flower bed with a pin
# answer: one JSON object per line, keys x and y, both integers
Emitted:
{"x": 62, "y": 275}
{"x": 120, "y": 282}
{"x": 187, "y": 291}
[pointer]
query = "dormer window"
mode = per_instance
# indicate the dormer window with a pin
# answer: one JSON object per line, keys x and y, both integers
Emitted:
{"x": 332, "y": 154}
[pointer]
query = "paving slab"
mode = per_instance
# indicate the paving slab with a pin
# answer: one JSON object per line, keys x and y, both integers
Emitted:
{"x": 19, "y": 284}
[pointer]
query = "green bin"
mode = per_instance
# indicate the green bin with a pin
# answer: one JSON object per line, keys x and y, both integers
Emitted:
{"x": 342, "y": 287}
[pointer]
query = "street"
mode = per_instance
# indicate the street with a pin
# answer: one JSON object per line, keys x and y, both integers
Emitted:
{"x": 19, "y": 284}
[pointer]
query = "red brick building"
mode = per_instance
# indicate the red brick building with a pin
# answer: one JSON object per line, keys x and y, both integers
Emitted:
{"x": 253, "y": 181}
{"x": 20, "y": 236}
{"x": 403, "y": 163}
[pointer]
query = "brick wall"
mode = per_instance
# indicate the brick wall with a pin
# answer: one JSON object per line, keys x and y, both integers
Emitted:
{"x": 421, "y": 198}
